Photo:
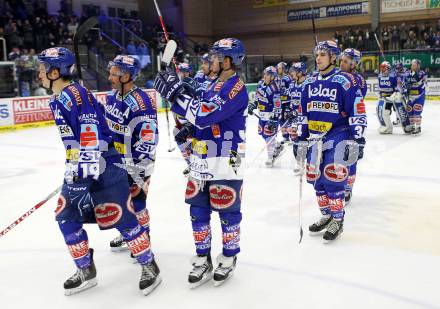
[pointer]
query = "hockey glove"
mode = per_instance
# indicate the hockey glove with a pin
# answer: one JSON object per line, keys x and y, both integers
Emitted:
{"x": 300, "y": 150}
{"x": 351, "y": 152}
{"x": 79, "y": 194}
{"x": 361, "y": 143}
{"x": 190, "y": 86}
{"x": 271, "y": 126}
{"x": 185, "y": 131}
{"x": 139, "y": 171}
{"x": 168, "y": 85}
{"x": 251, "y": 107}
{"x": 289, "y": 115}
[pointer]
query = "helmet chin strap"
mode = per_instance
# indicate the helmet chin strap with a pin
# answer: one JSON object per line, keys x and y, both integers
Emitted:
{"x": 123, "y": 85}
{"x": 51, "y": 80}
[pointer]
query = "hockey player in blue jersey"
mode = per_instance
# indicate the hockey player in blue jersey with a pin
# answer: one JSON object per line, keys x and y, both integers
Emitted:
{"x": 268, "y": 103}
{"x": 205, "y": 76}
{"x": 132, "y": 119}
{"x": 298, "y": 74}
{"x": 283, "y": 81}
{"x": 417, "y": 87}
{"x": 388, "y": 92}
{"x": 350, "y": 60}
{"x": 333, "y": 121}
{"x": 94, "y": 190}
{"x": 218, "y": 148}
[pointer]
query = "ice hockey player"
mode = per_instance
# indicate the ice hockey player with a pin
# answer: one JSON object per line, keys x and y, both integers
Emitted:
{"x": 183, "y": 130}
{"x": 417, "y": 86}
{"x": 205, "y": 76}
{"x": 298, "y": 74}
{"x": 350, "y": 61}
{"x": 268, "y": 103}
{"x": 390, "y": 94}
{"x": 132, "y": 119}
{"x": 283, "y": 81}
{"x": 333, "y": 121}
{"x": 95, "y": 190}
{"x": 216, "y": 176}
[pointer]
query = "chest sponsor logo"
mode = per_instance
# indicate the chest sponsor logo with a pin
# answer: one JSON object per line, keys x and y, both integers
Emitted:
{"x": 320, "y": 126}
{"x": 325, "y": 107}
{"x": 321, "y": 91}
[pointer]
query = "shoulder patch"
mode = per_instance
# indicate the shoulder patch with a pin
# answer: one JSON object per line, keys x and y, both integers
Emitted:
{"x": 343, "y": 80}
{"x": 76, "y": 94}
{"x": 236, "y": 89}
{"x": 139, "y": 100}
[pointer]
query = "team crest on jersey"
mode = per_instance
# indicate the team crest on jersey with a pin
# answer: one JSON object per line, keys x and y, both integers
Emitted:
{"x": 148, "y": 132}
{"x": 207, "y": 108}
{"x": 65, "y": 130}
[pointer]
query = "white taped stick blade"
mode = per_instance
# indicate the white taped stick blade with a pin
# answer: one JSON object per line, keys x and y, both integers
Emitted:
{"x": 168, "y": 54}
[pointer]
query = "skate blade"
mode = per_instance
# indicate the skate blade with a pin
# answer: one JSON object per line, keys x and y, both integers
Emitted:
{"x": 330, "y": 241}
{"x": 202, "y": 281}
{"x": 85, "y": 286}
{"x": 320, "y": 233}
{"x": 150, "y": 289}
{"x": 220, "y": 282}
{"x": 118, "y": 249}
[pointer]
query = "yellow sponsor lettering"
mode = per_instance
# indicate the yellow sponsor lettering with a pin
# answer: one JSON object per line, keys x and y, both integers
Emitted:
{"x": 72, "y": 154}
{"x": 320, "y": 126}
{"x": 199, "y": 147}
{"x": 120, "y": 148}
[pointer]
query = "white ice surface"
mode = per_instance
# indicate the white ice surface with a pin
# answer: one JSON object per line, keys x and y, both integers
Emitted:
{"x": 387, "y": 257}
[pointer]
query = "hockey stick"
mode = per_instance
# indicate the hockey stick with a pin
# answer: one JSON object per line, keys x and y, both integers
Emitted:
{"x": 301, "y": 180}
{"x": 29, "y": 212}
{"x": 80, "y": 32}
{"x": 380, "y": 47}
{"x": 313, "y": 25}
{"x": 162, "y": 23}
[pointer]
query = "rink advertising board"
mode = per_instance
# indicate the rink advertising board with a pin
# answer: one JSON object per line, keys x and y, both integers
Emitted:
{"x": 434, "y": 4}
{"x": 24, "y": 112}
{"x": 394, "y": 6}
{"x": 432, "y": 91}
{"x": 347, "y": 9}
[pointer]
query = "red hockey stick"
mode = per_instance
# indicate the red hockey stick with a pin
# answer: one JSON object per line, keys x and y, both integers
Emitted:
{"x": 29, "y": 212}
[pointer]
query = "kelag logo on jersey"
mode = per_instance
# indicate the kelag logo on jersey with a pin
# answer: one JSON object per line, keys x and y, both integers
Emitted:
{"x": 4, "y": 111}
{"x": 89, "y": 136}
{"x": 323, "y": 92}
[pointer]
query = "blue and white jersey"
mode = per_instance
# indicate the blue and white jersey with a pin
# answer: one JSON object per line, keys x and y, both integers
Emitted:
{"x": 362, "y": 84}
{"x": 219, "y": 137}
{"x": 203, "y": 82}
{"x": 268, "y": 99}
{"x": 83, "y": 130}
{"x": 330, "y": 104}
{"x": 133, "y": 122}
{"x": 417, "y": 84}
{"x": 388, "y": 84}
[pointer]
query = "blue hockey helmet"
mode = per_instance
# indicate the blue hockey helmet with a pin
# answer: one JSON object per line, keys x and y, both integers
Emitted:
{"x": 59, "y": 58}
{"x": 230, "y": 47}
{"x": 354, "y": 54}
{"x": 300, "y": 67}
{"x": 328, "y": 46}
{"x": 398, "y": 65}
{"x": 271, "y": 71}
{"x": 126, "y": 64}
{"x": 185, "y": 67}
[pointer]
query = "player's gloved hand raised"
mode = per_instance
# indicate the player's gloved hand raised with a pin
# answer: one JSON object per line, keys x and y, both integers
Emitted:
{"x": 361, "y": 143}
{"x": 190, "y": 85}
{"x": 251, "y": 107}
{"x": 185, "y": 131}
{"x": 138, "y": 171}
{"x": 168, "y": 85}
{"x": 79, "y": 194}
{"x": 351, "y": 152}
